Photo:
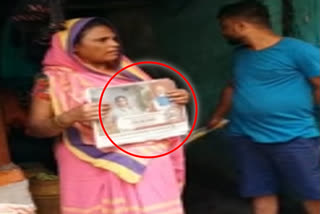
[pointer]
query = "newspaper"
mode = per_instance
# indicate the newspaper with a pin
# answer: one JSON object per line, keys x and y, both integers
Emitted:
{"x": 139, "y": 112}
{"x": 203, "y": 131}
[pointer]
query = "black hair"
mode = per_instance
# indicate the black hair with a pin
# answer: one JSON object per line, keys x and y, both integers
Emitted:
{"x": 120, "y": 97}
{"x": 250, "y": 10}
{"x": 95, "y": 22}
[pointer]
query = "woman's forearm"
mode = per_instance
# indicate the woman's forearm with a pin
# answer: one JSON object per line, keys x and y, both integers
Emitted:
{"x": 46, "y": 128}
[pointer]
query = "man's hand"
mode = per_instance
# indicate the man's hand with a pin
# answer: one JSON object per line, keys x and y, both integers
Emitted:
{"x": 214, "y": 122}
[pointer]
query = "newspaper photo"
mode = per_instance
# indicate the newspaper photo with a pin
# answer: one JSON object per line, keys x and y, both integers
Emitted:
{"x": 139, "y": 112}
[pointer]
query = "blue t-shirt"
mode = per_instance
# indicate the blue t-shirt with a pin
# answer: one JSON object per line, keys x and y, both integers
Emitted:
{"x": 273, "y": 98}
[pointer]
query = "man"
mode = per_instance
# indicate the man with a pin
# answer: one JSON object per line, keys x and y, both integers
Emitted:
{"x": 123, "y": 108}
{"x": 120, "y": 111}
{"x": 273, "y": 130}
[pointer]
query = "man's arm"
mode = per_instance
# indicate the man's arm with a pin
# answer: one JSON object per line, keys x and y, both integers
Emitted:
{"x": 307, "y": 58}
{"x": 223, "y": 107}
{"x": 315, "y": 82}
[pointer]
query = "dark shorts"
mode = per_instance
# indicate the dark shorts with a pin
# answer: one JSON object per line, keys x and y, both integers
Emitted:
{"x": 265, "y": 168}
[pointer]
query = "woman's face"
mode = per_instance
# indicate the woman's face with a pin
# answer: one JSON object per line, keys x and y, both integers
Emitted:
{"x": 99, "y": 45}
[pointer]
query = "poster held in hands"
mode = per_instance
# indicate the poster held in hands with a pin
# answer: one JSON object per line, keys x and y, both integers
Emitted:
{"x": 140, "y": 112}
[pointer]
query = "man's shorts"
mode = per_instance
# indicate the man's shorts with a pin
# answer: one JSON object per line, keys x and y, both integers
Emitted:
{"x": 265, "y": 168}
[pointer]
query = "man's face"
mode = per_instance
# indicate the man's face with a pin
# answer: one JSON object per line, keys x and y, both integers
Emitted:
{"x": 232, "y": 30}
{"x": 122, "y": 102}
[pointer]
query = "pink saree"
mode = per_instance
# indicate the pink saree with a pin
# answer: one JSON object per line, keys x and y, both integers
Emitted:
{"x": 110, "y": 182}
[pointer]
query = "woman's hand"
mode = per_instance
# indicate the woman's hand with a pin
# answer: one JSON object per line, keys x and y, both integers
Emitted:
{"x": 179, "y": 96}
{"x": 84, "y": 113}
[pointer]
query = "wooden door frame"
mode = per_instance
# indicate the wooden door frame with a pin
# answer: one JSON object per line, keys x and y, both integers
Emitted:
{"x": 4, "y": 148}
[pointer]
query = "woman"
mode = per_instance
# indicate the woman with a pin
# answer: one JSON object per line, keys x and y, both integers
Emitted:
{"x": 86, "y": 54}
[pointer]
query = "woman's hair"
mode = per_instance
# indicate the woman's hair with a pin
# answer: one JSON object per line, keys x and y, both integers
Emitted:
{"x": 95, "y": 22}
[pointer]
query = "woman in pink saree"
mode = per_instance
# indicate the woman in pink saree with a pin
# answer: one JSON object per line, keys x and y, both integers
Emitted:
{"x": 86, "y": 54}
